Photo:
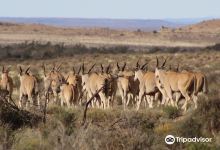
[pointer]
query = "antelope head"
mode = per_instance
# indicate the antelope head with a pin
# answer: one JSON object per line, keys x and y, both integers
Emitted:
{"x": 159, "y": 71}
{"x": 138, "y": 73}
{"x": 4, "y": 73}
{"x": 85, "y": 75}
{"x": 53, "y": 79}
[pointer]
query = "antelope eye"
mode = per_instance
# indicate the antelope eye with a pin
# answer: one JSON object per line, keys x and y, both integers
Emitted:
{"x": 157, "y": 76}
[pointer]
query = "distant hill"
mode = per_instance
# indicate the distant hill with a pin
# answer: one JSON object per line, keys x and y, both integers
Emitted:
{"x": 202, "y": 34}
{"x": 209, "y": 26}
{"x": 132, "y": 24}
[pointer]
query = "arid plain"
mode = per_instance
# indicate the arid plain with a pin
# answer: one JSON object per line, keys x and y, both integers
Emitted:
{"x": 194, "y": 48}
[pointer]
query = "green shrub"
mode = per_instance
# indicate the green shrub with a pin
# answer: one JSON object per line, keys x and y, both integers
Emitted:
{"x": 171, "y": 112}
{"x": 189, "y": 127}
{"x": 67, "y": 116}
{"x": 200, "y": 146}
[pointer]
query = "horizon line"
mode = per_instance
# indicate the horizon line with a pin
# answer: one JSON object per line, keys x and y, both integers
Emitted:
{"x": 29, "y": 17}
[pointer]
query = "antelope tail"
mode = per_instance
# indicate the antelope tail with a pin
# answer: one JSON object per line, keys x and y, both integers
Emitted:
{"x": 205, "y": 85}
{"x": 36, "y": 89}
{"x": 106, "y": 87}
{"x": 195, "y": 85}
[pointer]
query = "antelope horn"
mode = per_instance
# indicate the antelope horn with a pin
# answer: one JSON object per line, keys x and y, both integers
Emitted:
{"x": 26, "y": 72}
{"x": 102, "y": 69}
{"x": 74, "y": 70}
{"x": 79, "y": 69}
{"x": 54, "y": 66}
{"x": 144, "y": 65}
{"x": 177, "y": 68}
{"x": 3, "y": 68}
{"x": 59, "y": 67}
{"x": 66, "y": 79}
{"x": 123, "y": 68}
{"x": 164, "y": 63}
{"x": 20, "y": 70}
{"x": 91, "y": 68}
{"x": 118, "y": 66}
{"x": 83, "y": 68}
{"x": 170, "y": 68}
{"x": 44, "y": 69}
{"x": 108, "y": 68}
{"x": 137, "y": 64}
{"x": 157, "y": 62}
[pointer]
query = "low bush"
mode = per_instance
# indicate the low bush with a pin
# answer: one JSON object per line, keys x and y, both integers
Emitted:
{"x": 171, "y": 112}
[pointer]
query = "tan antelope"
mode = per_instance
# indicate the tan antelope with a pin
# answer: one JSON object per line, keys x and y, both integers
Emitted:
{"x": 92, "y": 82}
{"x": 147, "y": 86}
{"x": 85, "y": 86}
{"x": 28, "y": 88}
{"x": 53, "y": 80}
{"x": 127, "y": 87}
{"x": 170, "y": 82}
{"x": 76, "y": 80}
{"x": 111, "y": 84}
{"x": 6, "y": 82}
{"x": 201, "y": 85}
{"x": 68, "y": 94}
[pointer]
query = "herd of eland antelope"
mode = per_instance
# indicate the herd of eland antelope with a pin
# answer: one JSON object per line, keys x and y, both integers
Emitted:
{"x": 139, "y": 84}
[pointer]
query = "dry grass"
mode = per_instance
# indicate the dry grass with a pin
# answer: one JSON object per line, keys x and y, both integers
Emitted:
{"x": 114, "y": 128}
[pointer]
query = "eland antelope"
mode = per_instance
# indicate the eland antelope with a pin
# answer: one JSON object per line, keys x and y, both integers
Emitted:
{"x": 6, "y": 82}
{"x": 111, "y": 84}
{"x": 53, "y": 80}
{"x": 68, "y": 94}
{"x": 128, "y": 88}
{"x": 92, "y": 82}
{"x": 28, "y": 87}
{"x": 170, "y": 82}
{"x": 85, "y": 82}
{"x": 201, "y": 85}
{"x": 147, "y": 85}
{"x": 76, "y": 80}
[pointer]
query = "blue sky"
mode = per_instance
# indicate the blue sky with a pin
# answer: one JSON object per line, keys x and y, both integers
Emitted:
{"x": 132, "y": 9}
